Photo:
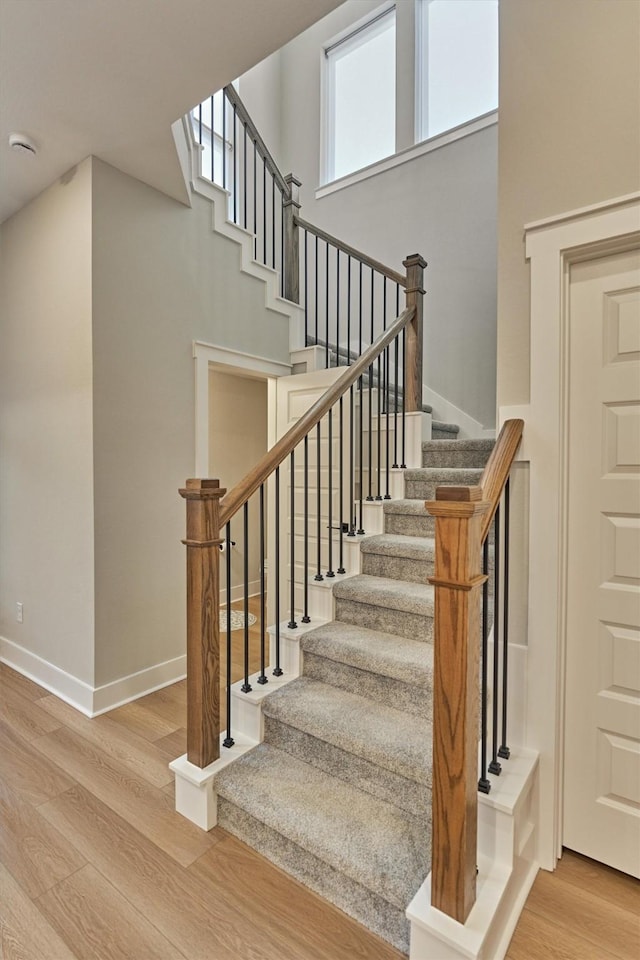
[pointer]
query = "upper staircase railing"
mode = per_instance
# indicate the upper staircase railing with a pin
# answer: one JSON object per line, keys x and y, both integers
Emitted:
{"x": 348, "y": 297}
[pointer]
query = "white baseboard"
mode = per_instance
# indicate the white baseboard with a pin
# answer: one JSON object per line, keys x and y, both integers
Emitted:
{"x": 447, "y": 412}
{"x": 91, "y": 701}
{"x": 237, "y": 592}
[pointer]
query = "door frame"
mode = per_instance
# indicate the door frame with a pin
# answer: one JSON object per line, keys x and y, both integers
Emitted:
{"x": 210, "y": 356}
{"x": 552, "y": 246}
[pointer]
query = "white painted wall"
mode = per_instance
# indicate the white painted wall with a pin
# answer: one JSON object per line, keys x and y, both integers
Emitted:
{"x": 46, "y": 454}
{"x": 161, "y": 279}
{"x": 442, "y": 205}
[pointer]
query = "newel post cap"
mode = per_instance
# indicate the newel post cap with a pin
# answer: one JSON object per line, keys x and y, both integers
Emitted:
{"x": 196, "y": 489}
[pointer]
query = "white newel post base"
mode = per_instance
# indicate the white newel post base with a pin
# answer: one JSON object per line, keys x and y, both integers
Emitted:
{"x": 417, "y": 429}
{"x": 196, "y": 798}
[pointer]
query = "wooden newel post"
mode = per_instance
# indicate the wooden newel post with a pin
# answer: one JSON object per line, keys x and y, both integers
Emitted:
{"x": 203, "y": 615}
{"x": 415, "y": 266}
{"x": 458, "y": 580}
{"x": 291, "y": 264}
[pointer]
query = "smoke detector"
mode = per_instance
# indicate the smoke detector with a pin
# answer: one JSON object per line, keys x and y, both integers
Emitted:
{"x": 21, "y": 143}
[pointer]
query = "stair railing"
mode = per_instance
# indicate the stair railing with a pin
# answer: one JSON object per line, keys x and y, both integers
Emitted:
{"x": 329, "y": 433}
{"x": 348, "y": 297}
{"x": 463, "y": 608}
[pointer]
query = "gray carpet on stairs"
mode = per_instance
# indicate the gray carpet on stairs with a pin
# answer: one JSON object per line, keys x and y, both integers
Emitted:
{"x": 339, "y": 794}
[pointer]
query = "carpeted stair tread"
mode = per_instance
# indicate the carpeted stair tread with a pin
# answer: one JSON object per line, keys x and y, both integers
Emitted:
{"x": 444, "y": 451}
{"x": 369, "y": 840}
{"x": 384, "y": 653}
{"x": 445, "y": 476}
{"x": 398, "y": 545}
{"x": 457, "y": 445}
{"x": 441, "y": 427}
{"x": 406, "y": 507}
{"x": 379, "y": 734}
{"x": 393, "y": 594}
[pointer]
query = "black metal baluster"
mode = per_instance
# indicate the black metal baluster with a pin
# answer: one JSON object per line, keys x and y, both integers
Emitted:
{"x": 305, "y": 613}
{"x": 504, "y": 751}
{"x": 277, "y": 670}
{"x": 403, "y": 463}
{"x": 326, "y": 305}
{"x": 244, "y": 182}
{"x": 282, "y": 246}
{"x": 337, "y": 306}
{"x": 292, "y": 490}
{"x": 341, "y": 508}
{"x": 330, "y": 571}
{"x": 387, "y": 361}
{"x": 246, "y": 686}
{"x": 380, "y": 385}
{"x": 361, "y": 389}
{"x": 213, "y": 142}
{"x": 273, "y": 223}
{"x": 315, "y": 289}
{"x": 224, "y": 140}
{"x": 234, "y": 157}
{"x": 200, "y": 124}
{"x": 395, "y": 405}
{"x": 484, "y": 784}
{"x": 262, "y": 679}
{"x": 228, "y": 740}
{"x": 370, "y": 444}
{"x": 306, "y": 295}
{"x": 264, "y": 211}
{"x": 352, "y": 478}
{"x": 255, "y": 200}
{"x": 348, "y": 311}
{"x": 495, "y": 766}
{"x": 318, "y": 575}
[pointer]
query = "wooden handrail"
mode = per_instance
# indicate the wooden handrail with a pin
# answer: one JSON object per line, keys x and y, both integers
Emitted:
{"x": 351, "y": 251}
{"x": 243, "y": 115}
{"x": 246, "y": 487}
{"x": 498, "y": 467}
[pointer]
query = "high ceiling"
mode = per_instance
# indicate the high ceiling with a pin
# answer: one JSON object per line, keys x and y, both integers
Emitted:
{"x": 109, "y": 77}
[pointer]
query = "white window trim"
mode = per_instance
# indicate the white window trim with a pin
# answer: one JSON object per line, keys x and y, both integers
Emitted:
{"x": 410, "y": 153}
{"x": 327, "y": 131}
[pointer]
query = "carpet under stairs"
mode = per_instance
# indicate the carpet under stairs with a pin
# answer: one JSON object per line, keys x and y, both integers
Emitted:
{"x": 339, "y": 793}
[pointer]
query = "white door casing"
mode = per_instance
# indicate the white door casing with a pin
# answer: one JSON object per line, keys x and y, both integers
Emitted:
{"x": 602, "y": 707}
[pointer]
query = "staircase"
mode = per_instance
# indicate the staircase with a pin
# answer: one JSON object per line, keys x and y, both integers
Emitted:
{"x": 338, "y": 794}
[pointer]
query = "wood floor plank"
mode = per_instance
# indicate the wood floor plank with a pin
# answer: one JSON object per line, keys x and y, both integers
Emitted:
{"x": 290, "y": 910}
{"x": 98, "y": 923}
{"x": 24, "y": 715}
{"x": 606, "y": 926}
{"x": 35, "y": 853}
{"x": 169, "y": 705}
{"x": 160, "y": 890}
{"x": 11, "y": 679}
{"x": 142, "y": 720}
{"x": 27, "y": 771}
{"x": 174, "y": 744}
{"x": 537, "y": 938}
{"x": 136, "y": 753}
{"x": 24, "y": 932}
{"x": 146, "y": 808}
{"x": 614, "y": 887}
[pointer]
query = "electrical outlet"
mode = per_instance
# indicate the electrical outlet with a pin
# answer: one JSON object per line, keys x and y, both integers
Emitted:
{"x": 19, "y": 614}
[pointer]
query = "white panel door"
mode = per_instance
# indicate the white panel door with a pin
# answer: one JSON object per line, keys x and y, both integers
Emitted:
{"x": 602, "y": 739}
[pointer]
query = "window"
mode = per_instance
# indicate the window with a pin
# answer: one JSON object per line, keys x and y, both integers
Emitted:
{"x": 458, "y": 69}
{"x": 360, "y": 78}
{"x": 208, "y": 120}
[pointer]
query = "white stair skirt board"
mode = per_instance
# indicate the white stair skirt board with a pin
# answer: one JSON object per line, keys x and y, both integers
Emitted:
{"x": 290, "y": 653}
{"x": 417, "y": 429}
{"x": 308, "y": 359}
{"x": 507, "y": 867}
{"x": 372, "y": 517}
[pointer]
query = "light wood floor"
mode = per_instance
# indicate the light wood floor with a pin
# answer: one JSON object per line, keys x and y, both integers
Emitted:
{"x": 95, "y": 863}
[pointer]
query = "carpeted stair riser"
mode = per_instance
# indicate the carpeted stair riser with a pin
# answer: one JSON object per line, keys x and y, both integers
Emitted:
{"x": 410, "y": 698}
{"x": 408, "y": 518}
{"x": 412, "y": 625}
{"x": 447, "y": 452}
{"x": 397, "y": 568}
{"x": 421, "y": 484}
{"x": 376, "y": 913}
{"x": 407, "y": 794}
{"x": 443, "y": 431}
